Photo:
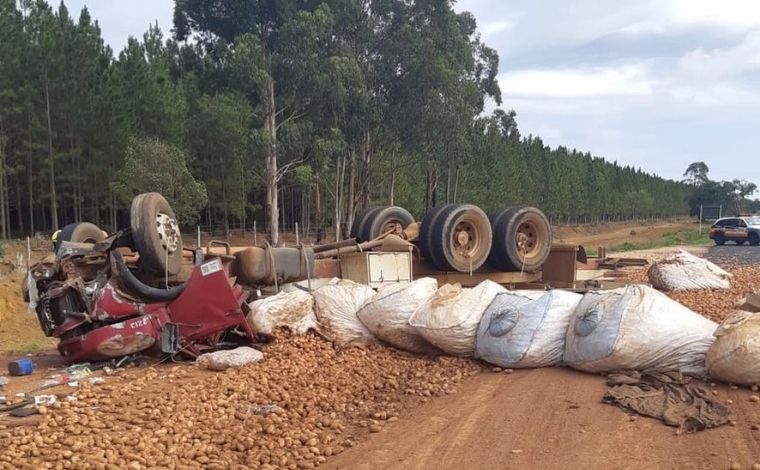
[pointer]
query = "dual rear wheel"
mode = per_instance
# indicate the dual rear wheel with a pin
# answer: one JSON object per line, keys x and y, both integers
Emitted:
{"x": 461, "y": 237}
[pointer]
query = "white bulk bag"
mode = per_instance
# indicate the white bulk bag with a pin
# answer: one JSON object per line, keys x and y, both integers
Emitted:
{"x": 526, "y": 328}
{"x": 684, "y": 271}
{"x": 449, "y": 320}
{"x": 387, "y": 314}
{"x": 336, "y": 306}
{"x": 293, "y": 310}
{"x": 735, "y": 355}
{"x": 637, "y": 328}
{"x": 229, "y": 358}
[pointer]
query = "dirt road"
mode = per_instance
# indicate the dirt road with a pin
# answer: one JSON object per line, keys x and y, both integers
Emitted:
{"x": 545, "y": 419}
{"x": 592, "y": 236}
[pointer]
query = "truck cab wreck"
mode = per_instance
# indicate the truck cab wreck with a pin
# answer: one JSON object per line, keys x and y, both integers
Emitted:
{"x": 138, "y": 290}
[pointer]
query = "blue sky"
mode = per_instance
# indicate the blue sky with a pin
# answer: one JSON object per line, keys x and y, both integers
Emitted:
{"x": 654, "y": 84}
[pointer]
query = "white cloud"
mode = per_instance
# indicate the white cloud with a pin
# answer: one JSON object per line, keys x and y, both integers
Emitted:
{"x": 723, "y": 13}
{"x": 495, "y": 27}
{"x": 623, "y": 80}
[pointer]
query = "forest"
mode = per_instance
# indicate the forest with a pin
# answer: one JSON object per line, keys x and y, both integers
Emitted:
{"x": 279, "y": 112}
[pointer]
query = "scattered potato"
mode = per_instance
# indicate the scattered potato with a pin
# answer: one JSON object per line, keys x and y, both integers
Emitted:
{"x": 301, "y": 405}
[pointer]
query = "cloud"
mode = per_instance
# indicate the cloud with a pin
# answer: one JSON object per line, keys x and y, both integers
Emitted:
{"x": 629, "y": 79}
{"x": 493, "y": 28}
{"x": 725, "y": 13}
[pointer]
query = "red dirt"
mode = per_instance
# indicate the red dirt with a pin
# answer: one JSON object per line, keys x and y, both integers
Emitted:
{"x": 549, "y": 418}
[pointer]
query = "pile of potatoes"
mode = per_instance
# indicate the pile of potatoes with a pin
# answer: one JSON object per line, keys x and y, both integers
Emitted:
{"x": 716, "y": 305}
{"x": 305, "y": 402}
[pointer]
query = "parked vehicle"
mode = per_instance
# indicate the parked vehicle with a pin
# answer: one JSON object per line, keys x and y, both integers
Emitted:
{"x": 740, "y": 230}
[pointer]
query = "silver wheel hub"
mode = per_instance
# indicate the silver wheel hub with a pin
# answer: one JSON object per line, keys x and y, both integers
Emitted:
{"x": 168, "y": 232}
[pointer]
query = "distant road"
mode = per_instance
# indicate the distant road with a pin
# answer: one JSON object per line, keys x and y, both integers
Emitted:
{"x": 734, "y": 254}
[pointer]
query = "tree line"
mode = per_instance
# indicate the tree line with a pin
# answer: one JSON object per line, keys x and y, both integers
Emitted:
{"x": 278, "y": 111}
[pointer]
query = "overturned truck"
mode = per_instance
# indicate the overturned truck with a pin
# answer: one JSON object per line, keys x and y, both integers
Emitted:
{"x": 141, "y": 290}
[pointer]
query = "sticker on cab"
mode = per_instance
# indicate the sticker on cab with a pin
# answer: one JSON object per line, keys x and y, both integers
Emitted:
{"x": 213, "y": 266}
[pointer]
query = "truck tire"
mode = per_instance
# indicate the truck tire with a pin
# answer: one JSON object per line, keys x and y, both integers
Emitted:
{"x": 82, "y": 232}
{"x": 357, "y": 227}
{"x": 425, "y": 239}
{"x": 499, "y": 249}
{"x": 156, "y": 234}
{"x": 522, "y": 239}
{"x": 385, "y": 219}
{"x": 461, "y": 238}
{"x": 754, "y": 239}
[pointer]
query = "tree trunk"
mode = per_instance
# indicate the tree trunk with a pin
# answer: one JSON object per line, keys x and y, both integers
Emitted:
{"x": 74, "y": 195}
{"x": 53, "y": 198}
{"x": 392, "y": 199}
{"x": 3, "y": 218}
{"x": 338, "y": 198}
{"x": 242, "y": 196}
{"x": 19, "y": 209}
{"x": 432, "y": 182}
{"x": 366, "y": 169}
{"x": 225, "y": 212}
{"x": 456, "y": 185}
{"x": 351, "y": 191}
{"x": 30, "y": 174}
{"x": 318, "y": 207}
{"x": 270, "y": 127}
{"x": 448, "y": 184}
{"x": 7, "y": 199}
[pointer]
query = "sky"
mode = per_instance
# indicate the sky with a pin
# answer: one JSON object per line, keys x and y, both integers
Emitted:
{"x": 653, "y": 84}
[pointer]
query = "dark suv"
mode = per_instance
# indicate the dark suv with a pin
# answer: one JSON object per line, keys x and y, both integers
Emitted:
{"x": 736, "y": 229}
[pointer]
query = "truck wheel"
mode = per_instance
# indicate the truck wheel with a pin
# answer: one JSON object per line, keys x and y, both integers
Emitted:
{"x": 425, "y": 239}
{"x": 499, "y": 249}
{"x": 386, "y": 219}
{"x": 522, "y": 239}
{"x": 720, "y": 239}
{"x": 357, "y": 228}
{"x": 156, "y": 234}
{"x": 754, "y": 239}
{"x": 82, "y": 232}
{"x": 462, "y": 238}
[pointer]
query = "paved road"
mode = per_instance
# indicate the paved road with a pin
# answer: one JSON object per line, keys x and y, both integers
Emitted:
{"x": 730, "y": 254}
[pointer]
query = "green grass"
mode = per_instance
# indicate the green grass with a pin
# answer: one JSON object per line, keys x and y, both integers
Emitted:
{"x": 27, "y": 348}
{"x": 682, "y": 237}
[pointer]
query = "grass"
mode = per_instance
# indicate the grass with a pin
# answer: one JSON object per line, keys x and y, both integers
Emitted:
{"x": 682, "y": 237}
{"x": 28, "y": 348}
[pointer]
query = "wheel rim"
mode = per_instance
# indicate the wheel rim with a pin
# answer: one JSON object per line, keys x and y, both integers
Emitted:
{"x": 529, "y": 239}
{"x": 392, "y": 225}
{"x": 168, "y": 232}
{"x": 465, "y": 241}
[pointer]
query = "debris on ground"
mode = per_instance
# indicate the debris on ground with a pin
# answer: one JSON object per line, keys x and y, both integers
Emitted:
{"x": 387, "y": 314}
{"x": 229, "y": 359}
{"x": 526, "y": 329}
{"x": 450, "y": 319}
{"x": 3, "y": 380}
{"x": 637, "y": 328}
{"x": 735, "y": 355}
{"x": 684, "y": 271}
{"x": 323, "y": 395}
{"x": 292, "y": 310}
{"x": 336, "y": 306}
{"x": 23, "y": 366}
{"x": 671, "y": 397}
